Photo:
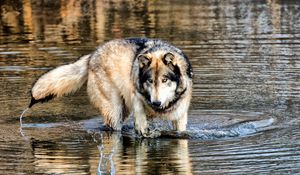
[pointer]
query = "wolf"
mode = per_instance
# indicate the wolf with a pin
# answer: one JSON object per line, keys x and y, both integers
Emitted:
{"x": 141, "y": 77}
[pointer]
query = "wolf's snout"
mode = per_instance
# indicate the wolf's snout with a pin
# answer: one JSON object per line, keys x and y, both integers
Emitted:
{"x": 156, "y": 103}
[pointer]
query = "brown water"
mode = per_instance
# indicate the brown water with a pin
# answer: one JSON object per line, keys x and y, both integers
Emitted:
{"x": 244, "y": 116}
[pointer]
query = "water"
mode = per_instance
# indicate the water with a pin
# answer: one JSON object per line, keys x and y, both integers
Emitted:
{"x": 244, "y": 116}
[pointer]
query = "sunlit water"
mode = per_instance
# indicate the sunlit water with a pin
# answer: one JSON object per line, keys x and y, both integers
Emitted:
{"x": 244, "y": 116}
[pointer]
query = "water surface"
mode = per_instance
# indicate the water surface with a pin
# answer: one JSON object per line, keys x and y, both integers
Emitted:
{"x": 244, "y": 116}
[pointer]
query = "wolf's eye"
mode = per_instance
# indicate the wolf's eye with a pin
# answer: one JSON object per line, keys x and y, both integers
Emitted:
{"x": 150, "y": 81}
{"x": 164, "y": 80}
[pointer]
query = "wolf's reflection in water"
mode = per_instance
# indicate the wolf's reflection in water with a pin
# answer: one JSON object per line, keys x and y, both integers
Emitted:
{"x": 149, "y": 156}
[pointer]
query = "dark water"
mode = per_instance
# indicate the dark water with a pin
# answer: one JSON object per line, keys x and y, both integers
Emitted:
{"x": 244, "y": 114}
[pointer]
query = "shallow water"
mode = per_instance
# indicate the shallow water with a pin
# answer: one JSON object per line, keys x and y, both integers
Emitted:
{"x": 244, "y": 116}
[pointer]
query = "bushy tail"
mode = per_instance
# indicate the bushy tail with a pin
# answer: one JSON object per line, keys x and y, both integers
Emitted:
{"x": 60, "y": 81}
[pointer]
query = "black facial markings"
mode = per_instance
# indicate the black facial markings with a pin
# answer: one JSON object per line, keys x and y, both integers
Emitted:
{"x": 43, "y": 100}
{"x": 156, "y": 72}
{"x": 147, "y": 96}
{"x": 144, "y": 75}
{"x": 173, "y": 77}
{"x": 177, "y": 71}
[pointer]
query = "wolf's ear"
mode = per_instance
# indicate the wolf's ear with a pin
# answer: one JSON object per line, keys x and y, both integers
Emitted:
{"x": 168, "y": 59}
{"x": 144, "y": 61}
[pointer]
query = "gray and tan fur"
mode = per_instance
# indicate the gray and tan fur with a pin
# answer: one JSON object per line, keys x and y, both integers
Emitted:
{"x": 138, "y": 76}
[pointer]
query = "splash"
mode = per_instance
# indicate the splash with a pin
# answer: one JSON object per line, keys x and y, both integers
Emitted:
{"x": 21, "y": 122}
{"x": 106, "y": 162}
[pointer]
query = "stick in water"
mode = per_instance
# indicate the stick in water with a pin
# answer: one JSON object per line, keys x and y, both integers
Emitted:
{"x": 21, "y": 123}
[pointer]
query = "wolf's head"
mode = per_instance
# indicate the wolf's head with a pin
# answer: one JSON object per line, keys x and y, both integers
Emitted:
{"x": 161, "y": 78}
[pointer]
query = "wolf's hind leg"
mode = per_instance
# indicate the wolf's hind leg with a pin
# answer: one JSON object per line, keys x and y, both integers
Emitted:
{"x": 107, "y": 100}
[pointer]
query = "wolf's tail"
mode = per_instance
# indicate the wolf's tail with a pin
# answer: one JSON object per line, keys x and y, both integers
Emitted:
{"x": 60, "y": 81}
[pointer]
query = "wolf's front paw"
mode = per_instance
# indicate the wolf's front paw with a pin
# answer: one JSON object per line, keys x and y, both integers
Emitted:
{"x": 147, "y": 132}
{"x": 140, "y": 124}
{"x": 141, "y": 130}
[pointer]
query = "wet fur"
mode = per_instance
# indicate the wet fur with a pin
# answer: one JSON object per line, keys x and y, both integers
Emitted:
{"x": 117, "y": 76}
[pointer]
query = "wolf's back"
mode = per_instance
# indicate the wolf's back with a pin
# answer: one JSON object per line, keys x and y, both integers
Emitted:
{"x": 63, "y": 80}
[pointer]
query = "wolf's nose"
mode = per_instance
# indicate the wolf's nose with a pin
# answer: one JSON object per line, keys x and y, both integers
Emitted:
{"x": 156, "y": 103}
